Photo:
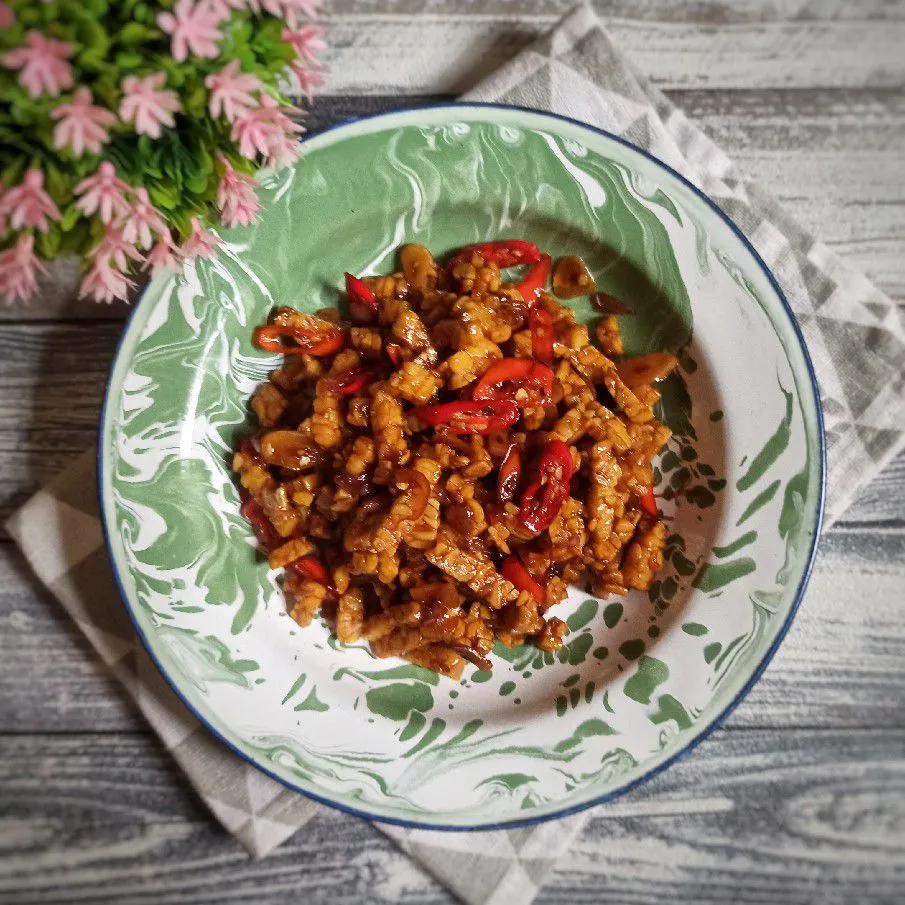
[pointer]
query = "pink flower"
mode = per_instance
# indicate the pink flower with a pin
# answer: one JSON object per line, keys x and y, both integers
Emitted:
{"x": 308, "y": 77}
{"x": 230, "y": 91}
{"x": 163, "y": 256}
{"x": 103, "y": 192}
{"x": 43, "y": 65}
{"x": 200, "y": 243}
{"x": 267, "y": 131}
{"x": 142, "y": 220}
{"x": 236, "y": 197}
{"x": 305, "y": 41}
{"x": 28, "y": 205}
{"x": 192, "y": 27}
{"x": 82, "y": 126}
{"x": 18, "y": 266}
{"x": 115, "y": 249}
{"x": 7, "y": 16}
{"x": 149, "y": 106}
{"x": 104, "y": 283}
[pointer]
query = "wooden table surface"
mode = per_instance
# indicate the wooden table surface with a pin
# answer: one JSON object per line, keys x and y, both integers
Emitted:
{"x": 800, "y": 798}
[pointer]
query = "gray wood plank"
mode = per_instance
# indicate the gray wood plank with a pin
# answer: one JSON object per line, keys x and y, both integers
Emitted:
{"x": 52, "y": 379}
{"x": 712, "y": 12}
{"x": 387, "y": 52}
{"x": 751, "y": 817}
{"x": 834, "y": 156}
{"x": 842, "y": 664}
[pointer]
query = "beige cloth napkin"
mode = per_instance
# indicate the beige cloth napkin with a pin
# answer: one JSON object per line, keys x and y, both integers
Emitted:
{"x": 857, "y": 344}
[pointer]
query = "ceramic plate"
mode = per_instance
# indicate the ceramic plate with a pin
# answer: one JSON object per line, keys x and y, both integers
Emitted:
{"x": 640, "y": 679}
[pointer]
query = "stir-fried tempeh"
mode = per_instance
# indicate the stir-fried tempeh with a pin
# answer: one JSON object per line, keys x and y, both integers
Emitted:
{"x": 434, "y": 472}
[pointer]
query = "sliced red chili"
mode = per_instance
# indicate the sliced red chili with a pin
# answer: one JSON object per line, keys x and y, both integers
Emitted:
{"x": 521, "y": 380}
{"x": 394, "y": 353}
{"x": 541, "y": 322}
{"x": 543, "y": 498}
{"x": 264, "y": 531}
{"x": 362, "y": 303}
{"x": 314, "y": 570}
{"x": 515, "y": 572}
{"x": 510, "y": 471}
{"x": 649, "y": 502}
{"x": 536, "y": 278}
{"x": 329, "y": 345}
{"x": 467, "y": 417}
{"x": 313, "y": 341}
{"x": 507, "y": 253}
{"x": 348, "y": 383}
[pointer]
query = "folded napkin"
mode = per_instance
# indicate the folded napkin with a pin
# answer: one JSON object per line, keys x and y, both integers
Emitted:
{"x": 855, "y": 339}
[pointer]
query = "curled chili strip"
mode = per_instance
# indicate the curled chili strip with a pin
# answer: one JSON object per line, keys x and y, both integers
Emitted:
{"x": 507, "y": 253}
{"x": 544, "y": 497}
{"x": 520, "y": 380}
{"x": 536, "y": 278}
{"x": 314, "y": 342}
{"x": 264, "y": 531}
{"x": 515, "y": 572}
{"x": 466, "y": 417}
{"x": 314, "y": 570}
{"x": 348, "y": 383}
{"x": 541, "y": 323}
{"x": 649, "y": 502}
{"x": 510, "y": 471}
{"x": 362, "y": 302}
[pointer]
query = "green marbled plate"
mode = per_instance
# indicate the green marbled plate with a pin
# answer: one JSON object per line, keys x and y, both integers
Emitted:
{"x": 640, "y": 679}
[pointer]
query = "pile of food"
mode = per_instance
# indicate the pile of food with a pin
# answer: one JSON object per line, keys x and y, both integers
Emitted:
{"x": 437, "y": 468}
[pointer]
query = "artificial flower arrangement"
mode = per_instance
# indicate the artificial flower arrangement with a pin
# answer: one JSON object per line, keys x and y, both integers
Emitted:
{"x": 128, "y": 127}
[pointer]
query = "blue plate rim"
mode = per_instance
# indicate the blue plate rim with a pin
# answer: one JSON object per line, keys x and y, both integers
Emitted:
{"x": 719, "y": 719}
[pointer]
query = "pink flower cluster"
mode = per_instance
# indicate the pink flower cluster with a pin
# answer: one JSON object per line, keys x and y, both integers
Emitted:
{"x": 135, "y": 231}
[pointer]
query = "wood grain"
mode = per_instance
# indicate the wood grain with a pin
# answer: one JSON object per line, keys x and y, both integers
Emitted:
{"x": 715, "y": 13}
{"x": 382, "y": 53}
{"x": 833, "y": 155}
{"x": 752, "y": 817}
{"x": 52, "y": 380}
{"x": 808, "y": 98}
{"x": 842, "y": 664}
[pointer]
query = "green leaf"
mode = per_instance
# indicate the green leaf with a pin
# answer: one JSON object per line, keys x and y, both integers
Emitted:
{"x": 195, "y": 102}
{"x": 49, "y": 243}
{"x": 136, "y": 33}
{"x": 129, "y": 60}
{"x": 71, "y": 216}
{"x": 163, "y": 196}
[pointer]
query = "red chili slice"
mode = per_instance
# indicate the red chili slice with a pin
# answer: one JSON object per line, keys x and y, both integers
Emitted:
{"x": 470, "y": 417}
{"x": 348, "y": 383}
{"x": 312, "y": 569}
{"x": 536, "y": 278}
{"x": 253, "y": 513}
{"x": 510, "y": 471}
{"x": 649, "y": 502}
{"x": 543, "y": 499}
{"x": 505, "y": 378}
{"x": 507, "y": 253}
{"x": 515, "y": 572}
{"x": 304, "y": 341}
{"x": 394, "y": 353}
{"x": 541, "y": 322}
{"x": 362, "y": 303}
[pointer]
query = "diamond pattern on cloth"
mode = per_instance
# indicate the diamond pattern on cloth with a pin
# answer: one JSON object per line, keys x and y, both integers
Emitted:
{"x": 857, "y": 344}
